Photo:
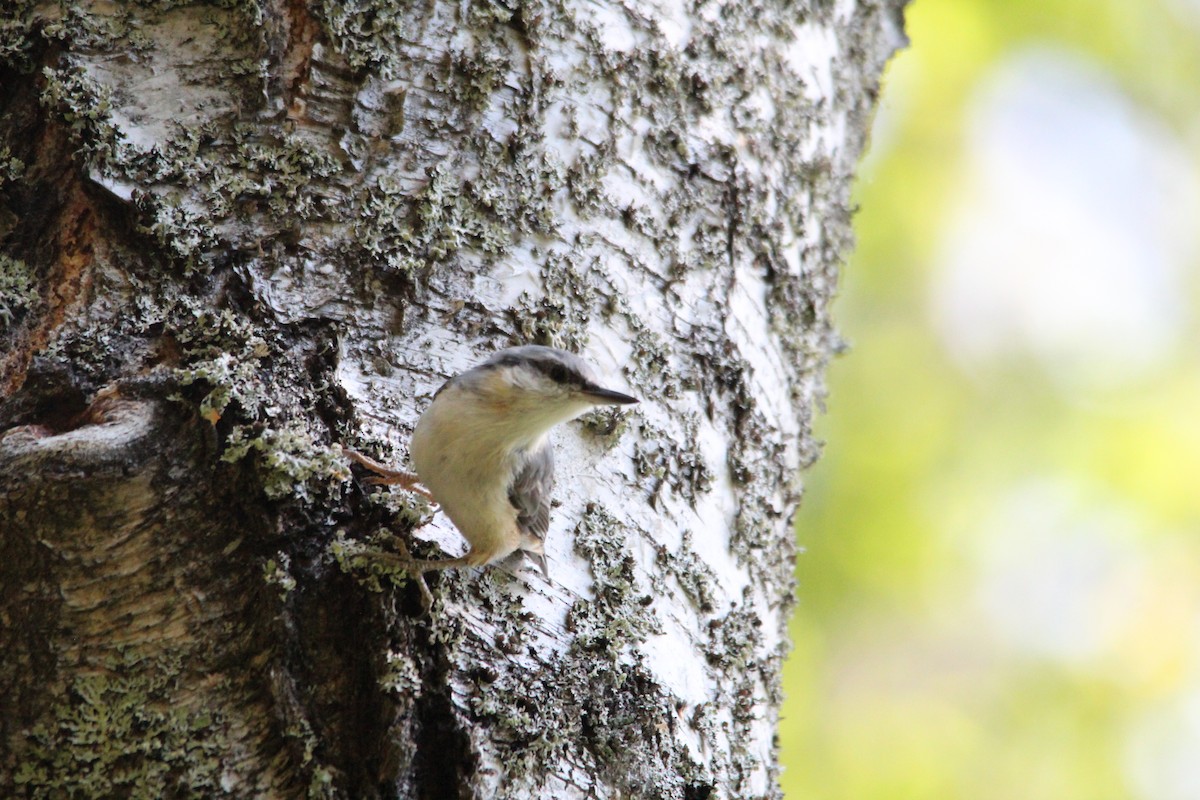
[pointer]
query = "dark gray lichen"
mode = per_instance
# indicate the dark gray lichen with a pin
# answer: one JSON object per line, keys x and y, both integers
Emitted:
{"x": 620, "y": 612}
{"x": 609, "y": 716}
{"x": 650, "y": 364}
{"x": 561, "y": 314}
{"x": 693, "y": 574}
{"x": 672, "y": 460}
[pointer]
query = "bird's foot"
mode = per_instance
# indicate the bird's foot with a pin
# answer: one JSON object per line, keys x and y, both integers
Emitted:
{"x": 386, "y": 476}
{"x": 412, "y": 566}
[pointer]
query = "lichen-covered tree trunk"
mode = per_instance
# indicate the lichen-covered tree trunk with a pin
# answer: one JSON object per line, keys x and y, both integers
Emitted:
{"x": 237, "y": 235}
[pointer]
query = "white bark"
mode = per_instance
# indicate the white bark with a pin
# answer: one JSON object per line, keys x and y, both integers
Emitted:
{"x": 310, "y": 217}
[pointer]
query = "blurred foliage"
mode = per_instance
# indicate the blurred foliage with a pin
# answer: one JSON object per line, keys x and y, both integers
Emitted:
{"x": 915, "y": 674}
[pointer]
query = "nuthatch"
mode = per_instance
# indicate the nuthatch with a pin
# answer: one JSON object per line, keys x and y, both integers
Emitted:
{"x": 483, "y": 451}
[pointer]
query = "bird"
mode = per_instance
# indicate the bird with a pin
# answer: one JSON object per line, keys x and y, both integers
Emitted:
{"x": 482, "y": 450}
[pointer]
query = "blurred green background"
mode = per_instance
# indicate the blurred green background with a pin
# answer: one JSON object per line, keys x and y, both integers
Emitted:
{"x": 1000, "y": 596}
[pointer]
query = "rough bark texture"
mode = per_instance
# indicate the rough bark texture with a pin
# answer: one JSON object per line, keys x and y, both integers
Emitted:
{"x": 236, "y": 235}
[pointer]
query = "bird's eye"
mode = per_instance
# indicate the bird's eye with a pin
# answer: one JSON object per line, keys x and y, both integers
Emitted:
{"x": 560, "y": 374}
{"x": 555, "y": 371}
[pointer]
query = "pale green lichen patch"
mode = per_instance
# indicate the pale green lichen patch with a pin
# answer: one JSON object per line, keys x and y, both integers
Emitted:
{"x": 495, "y": 592}
{"x": 607, "y": 425}
{"x": 401, "y": 675}
{"x": 19, "y": 294}
{"x": 372, "y": 560}
{"x": 585, "y": 182}
{"x": 282, "y": 174}
{"x": 12, "y": 169}
{"x": 369, "y": 33}
{"x": 230, "y": 378}
{"x": 85, "y": 107}
{"x": 182, "y": 229}
{"x": 518, "y": 185}
{"x": 240, "y": 371}
{"x": 279, "y": 181}
{"x": 320, "y": 779}
{"x": 410, "y": 231}
{"x": 354, "y": 556}
{"x": 124, "y": 732}
{"x": 290, "y": 460}
{"x": 17, "y": 42}
{"x": 475, "y": 76}
{"x": 405, "y": 232}
{"x": 277, "y": 572}
{"x": 734, "y": 641}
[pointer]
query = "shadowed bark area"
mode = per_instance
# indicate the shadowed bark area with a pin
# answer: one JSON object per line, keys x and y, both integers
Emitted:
{"x": 235, "y": 237}
{"x": 146, "y": 656}
{"x": 121, "y": 564}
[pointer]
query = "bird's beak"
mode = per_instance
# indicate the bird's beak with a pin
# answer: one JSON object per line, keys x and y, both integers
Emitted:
{"x": 607, "y": 397}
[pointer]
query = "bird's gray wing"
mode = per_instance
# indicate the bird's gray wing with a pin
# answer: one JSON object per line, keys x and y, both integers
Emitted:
{"x": 530, "y": 492}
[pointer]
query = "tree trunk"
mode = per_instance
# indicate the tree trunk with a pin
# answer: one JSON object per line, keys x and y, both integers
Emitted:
{"x": 234, "y": 237}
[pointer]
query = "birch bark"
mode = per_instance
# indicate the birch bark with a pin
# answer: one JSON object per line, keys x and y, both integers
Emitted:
{"x": 235, "y": 236}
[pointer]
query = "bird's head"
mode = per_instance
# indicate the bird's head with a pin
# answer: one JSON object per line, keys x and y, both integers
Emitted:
{"x": 534, "y": 388}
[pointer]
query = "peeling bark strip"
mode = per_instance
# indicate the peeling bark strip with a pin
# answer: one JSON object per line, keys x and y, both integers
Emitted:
{"x": 235, "y": 236}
